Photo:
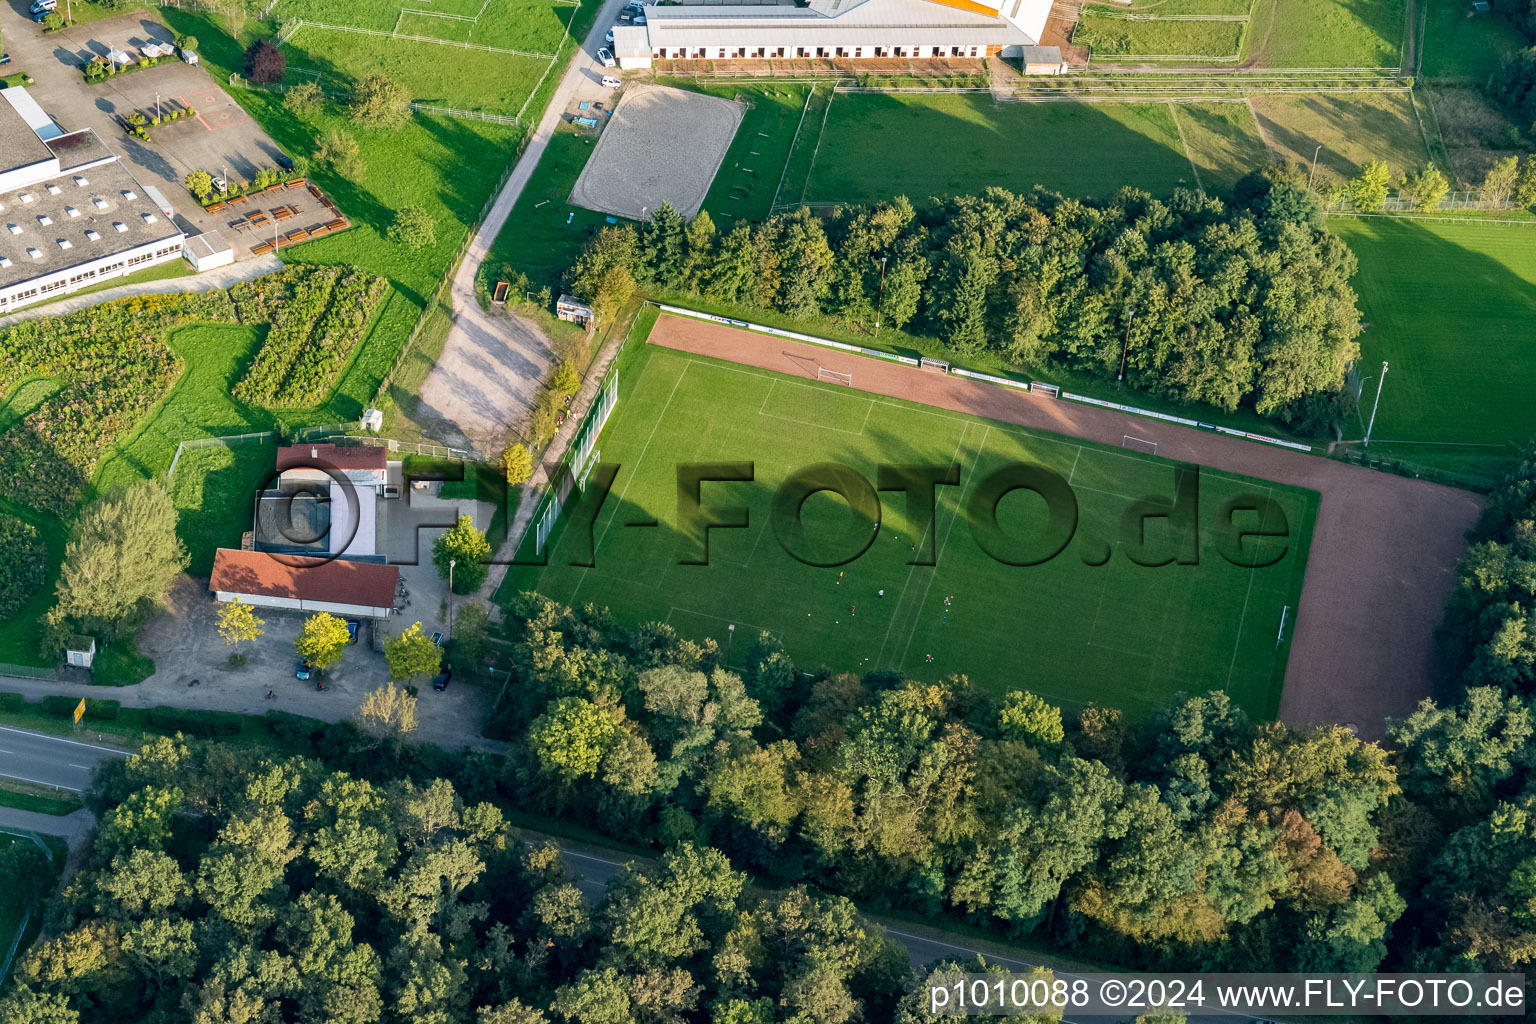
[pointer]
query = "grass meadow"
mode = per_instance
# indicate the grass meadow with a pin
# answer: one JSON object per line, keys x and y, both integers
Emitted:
{"x": 1450, "y": 307}
{"x": 1074, "y": 632}
{"x": 1460, "y": 44}
{"x": 1352, "y": 129}
{"x": 1364, "y": 34}
{"x": 533, "y": 26}
{"x": 951, "y": 144}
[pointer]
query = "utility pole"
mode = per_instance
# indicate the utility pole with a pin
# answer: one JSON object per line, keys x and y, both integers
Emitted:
{"x": 730, "y": 636}
{"x": 1130, "y": 314}
{"x": 1313, "y": 169}
{"x": 451, "y": 563}
{"x": 880, "y": 306}
{"x": 1376, "y": 404}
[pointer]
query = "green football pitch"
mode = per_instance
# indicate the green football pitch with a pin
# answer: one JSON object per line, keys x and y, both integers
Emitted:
{"x": 1117, "y": 633}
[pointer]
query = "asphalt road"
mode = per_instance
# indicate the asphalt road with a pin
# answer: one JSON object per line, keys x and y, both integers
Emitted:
{"x": 46, "y": 760}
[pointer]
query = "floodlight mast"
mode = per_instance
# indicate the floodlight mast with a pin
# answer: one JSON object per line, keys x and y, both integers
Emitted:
{"x": 1376, "y": 404}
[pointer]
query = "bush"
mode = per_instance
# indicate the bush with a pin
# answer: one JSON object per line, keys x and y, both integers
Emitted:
{"x": 304, "y": 99}
{"x": 195, "y": 722}
{"x": 379, "y": 101}
{"x": 64, "y": 707}
{"x": 340, "y": 152}
{"x": 264, "y": 62}
{"x": 299, "y": 730}
{"x": 12, "y": 703}
{"x": 413, "y": 227}
{"x": 23, "y": 563}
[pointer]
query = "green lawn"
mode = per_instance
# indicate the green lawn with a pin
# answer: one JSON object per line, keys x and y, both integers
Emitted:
{"x": 1460, "y": 44}
{"x": 1110, "y": 37}
{"x": 9, "y": 920}
{"x": 19, "y": 632}
{"x": 448, "y": 76}
{"x": 1327, "y": 33}
{"x": 1352, "y": 129}
{"x": 544, "y": 234}
{"x": 878, "y": 146}
{"x": 1223, "y": 141}
{"x": 749, "y": 175}
{"x": 532, "y": 26}
{"x": 1117, "y": 633}
{"x": 1451, "y": 307}
{"x": 39, "y": 803}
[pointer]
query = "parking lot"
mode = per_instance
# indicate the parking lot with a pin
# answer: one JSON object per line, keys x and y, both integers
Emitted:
{"x": 221, "y": 139}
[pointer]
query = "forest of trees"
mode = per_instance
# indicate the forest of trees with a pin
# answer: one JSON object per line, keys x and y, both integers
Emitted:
{"x": 374, "y": 880}
{"x": 1226, "y": 304}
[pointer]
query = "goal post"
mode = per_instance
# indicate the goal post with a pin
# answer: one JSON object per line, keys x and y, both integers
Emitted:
{"x": 1138, "y": 444}
{"x": 845, "y": 379}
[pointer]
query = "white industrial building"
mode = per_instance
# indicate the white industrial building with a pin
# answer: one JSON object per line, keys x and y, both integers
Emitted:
{"x": 835, "y": 29}
{"x": 71, "y": 216}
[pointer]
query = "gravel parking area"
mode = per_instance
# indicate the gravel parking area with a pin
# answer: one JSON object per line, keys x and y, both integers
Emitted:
{"x": 661, "y": 145}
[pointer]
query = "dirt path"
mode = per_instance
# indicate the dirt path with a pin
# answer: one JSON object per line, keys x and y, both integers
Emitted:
{"x": 1384, "y": 549}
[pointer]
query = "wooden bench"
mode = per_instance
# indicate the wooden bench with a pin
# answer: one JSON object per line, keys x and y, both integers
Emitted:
{"x": 257, "y": 219}
{"x": 215, "y": 206}
{"x": 337, "y": 224}
{"x": 297, "y": 235}
{"x": 316, "y": 230}
{"x": 274, "y": 188}
{"x": 282, "y": 213}
{"x": 317, "y": 193}
{"x": 238, "y": 200}
{"x": 296, "y": 183}
{"x": 262, "y": 249}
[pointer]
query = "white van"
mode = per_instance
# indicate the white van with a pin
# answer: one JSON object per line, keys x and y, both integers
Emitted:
{"x": 609, "y": 82}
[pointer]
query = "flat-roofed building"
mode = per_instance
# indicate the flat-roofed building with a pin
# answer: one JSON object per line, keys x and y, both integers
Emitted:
{"x": 71, "y": 215}
{"x": 835, "y": 29}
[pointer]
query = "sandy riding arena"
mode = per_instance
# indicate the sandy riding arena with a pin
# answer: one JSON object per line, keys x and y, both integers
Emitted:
{"x": 1384, "y": 548}
{"x": 662, "y": 145}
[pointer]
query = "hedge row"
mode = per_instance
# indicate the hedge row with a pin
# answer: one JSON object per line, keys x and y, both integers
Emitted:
{"x": 196, "y": 722}
{"x": 12, "y": 703}
{"x": 64, "y": 707}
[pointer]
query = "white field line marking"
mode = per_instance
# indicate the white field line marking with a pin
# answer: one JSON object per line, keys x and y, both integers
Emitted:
{"x": 634, "y": 473}
{"x": 939, "y": 554}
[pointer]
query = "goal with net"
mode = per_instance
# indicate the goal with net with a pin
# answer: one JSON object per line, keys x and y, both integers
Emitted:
{"x": 845, "y": 379}
{"x": 1139, "y": 444}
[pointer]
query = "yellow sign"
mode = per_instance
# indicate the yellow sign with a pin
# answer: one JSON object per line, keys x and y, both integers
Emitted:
{"x": 80, "y": 711}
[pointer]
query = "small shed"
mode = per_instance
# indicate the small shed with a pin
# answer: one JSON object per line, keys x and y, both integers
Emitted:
{"x": 373, "y": 420}
{"x": 81, "y": 651}
{"x": 573, "y": 309}
{"x": 208, "y": 251}
{"x": 1041, "y": 60}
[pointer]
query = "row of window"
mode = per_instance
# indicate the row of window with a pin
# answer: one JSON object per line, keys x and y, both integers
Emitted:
{"x": 110, "y": 270}
{"x": 770, "y": 52}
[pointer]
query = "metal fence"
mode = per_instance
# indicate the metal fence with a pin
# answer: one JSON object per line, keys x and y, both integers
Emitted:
{"x": 28, "y": 671}
{"x": 1467, "y": 199}
{"x": 228, "y": 441}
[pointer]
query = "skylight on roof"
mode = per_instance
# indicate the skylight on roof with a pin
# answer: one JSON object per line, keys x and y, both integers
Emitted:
{"x": 44, "y": 219}
{"x": 65, "y": 243}
{"x": 54, "y": 190}
{"x": 71, "y": 211}
{"x": 129, "y": 194}
{"x": 34, "y": 253}
{"x": 100, "y": 203}
{"x": 120, "y": 225}
{"x": 149, "y": 218}
{"x": 80, "y": 182}
{"x": 15, "y": 228}
{"x": 93, "y": 236}
{"x": 5, "y": 261}
{"x": 26, "y": 197}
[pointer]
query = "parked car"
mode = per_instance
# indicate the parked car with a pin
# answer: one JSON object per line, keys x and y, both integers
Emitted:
{"x": 609, "y": 82}
{"x": 639, "y": 19}
{"x": 304, "y": 672}
{"x": 43, "y": 6}
{"x": 5, "y": 59}
{"x": 625, "y": 17}
{"x": 352, "y": 627}
{"x": 442, "y": 679}
{"x": 609, "y": 37}
{"x": 606, "y": 59}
